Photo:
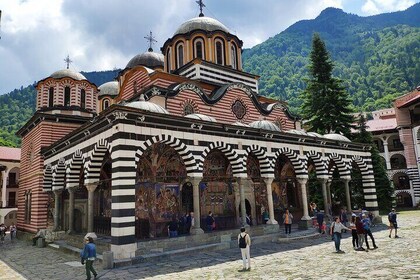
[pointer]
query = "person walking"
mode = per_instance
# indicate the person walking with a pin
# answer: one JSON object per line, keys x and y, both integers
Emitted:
{"x": 210, "y": 222}
{"x": 320, "y": 220}
{"x": 89, "y": 256}
{"x": 352, "y": 226}
{"x": 392, "y": 218}
{"x": 244, "y": 242}
{"x": 2, "y": 233}
{"x": 335, "y": 231}
{"x": 287, "y": 220}
{"x": 368, "y": 232}
{"x": 13, "y": 230}
{"x": 360, "y": 234}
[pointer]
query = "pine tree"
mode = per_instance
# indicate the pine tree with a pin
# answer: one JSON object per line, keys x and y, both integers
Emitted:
{"x": 326, "y": 104}
{"x": 384, "y": 190}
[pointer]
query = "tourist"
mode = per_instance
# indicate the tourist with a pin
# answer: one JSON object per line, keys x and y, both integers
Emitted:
{"x": 89, "y": 256}
{"x": 368, "y": 232}
{"x": 173, "y": 227}
{"x": 343, "y": 217}
{"x": 320, "y": 220}
{"x": 392, "y": 218}
{"x": 360, "y": 234}
{"x": 40, "y": 234}
{"x": 244, "y": 242}
{"x": 335, "y": 231}
{"x": 210, "y": 223}
{"x": 265, "y": 216}
{"x": 287, "y": 220}
{"x": 188, "y": 222}
{"x": 12, "y": 230}
{"x": 354, "y": 236}
{"x": 2, "y": 233}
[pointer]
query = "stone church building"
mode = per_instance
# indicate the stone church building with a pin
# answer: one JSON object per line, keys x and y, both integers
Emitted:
{"x": 184, "y": 130}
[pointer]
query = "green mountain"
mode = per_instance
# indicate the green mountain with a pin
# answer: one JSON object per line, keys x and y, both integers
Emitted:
{"x": 17, "y": 106}
{"x": 377, "y": 57}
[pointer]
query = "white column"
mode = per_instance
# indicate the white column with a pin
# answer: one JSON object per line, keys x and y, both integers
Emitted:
{"x": 302, "y": 183}
{"x": 272, "y": 220}
{"x": 348, "y": 198}
{"x": 71, "y": 209}
{"x": 325, "y": 195}
{"x": 387, "y": 159}
{"x": 195, "y": 181}
{"x": 4, "y": 175}
{"x": 242, "y": 199}
{"x": 91, "y": 189}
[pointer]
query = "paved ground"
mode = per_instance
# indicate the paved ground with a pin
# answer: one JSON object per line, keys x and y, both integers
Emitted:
{"x": 295, "y": 259}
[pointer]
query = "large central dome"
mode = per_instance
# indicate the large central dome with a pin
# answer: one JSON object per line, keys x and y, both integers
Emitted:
{"x": 201, "y": 23}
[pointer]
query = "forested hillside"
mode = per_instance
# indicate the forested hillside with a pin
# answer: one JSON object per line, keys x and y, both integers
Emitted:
{"x": 377, "y": 57}
{"x": 17, "y": 107}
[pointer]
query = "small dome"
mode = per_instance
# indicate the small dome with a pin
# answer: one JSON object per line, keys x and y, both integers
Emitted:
{"x": 201, "y": 23}
{"x": 110, "y": 88}
{"x": 295, "y": 131}
{"x": 147, "y": 106}
{"x": 67, "y": 73}
{"x": 337, "y": 137}
{"x": 264, "y": 124}
{"x": 149, "y": 59}
{"x": 201, "y": 117}
{"x": 314, "y": 134}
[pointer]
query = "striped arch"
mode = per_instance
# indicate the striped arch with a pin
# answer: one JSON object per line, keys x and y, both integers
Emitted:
{"x": 342, "y": 167}
{"x": 368, "y": 182}
{"x": 265, "y": 166}
{"x": 93, "y": 169}
{"x": 73, "y": 170}
{"x": 48, "y": 178}
{"x": 59, "y": 175}
{"x": 297, "y": 163}
{"x": 179, "y": 147}
{"x": 320, "y": 167}
{"x": 236, "y": 163}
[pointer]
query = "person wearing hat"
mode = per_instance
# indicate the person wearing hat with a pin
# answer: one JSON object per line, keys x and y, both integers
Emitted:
{"x": 244, "y": 242}
{"x": 392, "y": 218}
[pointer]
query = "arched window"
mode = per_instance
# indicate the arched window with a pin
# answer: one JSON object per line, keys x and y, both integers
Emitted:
{"x": 168, "y": 60}
{"x": 199, "y": 48}
{"x": 51, "y": 97}
{"x": 220, "y": 50}
{"x": 67, "y": 96}
{"x": 233, "y": 57}
{"x": 105, "y": 104}
{"x": 82, "y": 98}
{"x": 179, "y": 55}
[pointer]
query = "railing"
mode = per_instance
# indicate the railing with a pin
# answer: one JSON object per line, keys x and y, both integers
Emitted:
{"x": 102, "y": 225}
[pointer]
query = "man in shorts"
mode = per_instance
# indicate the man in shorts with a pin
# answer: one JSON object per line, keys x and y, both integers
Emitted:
{"x": 392, "y": 218}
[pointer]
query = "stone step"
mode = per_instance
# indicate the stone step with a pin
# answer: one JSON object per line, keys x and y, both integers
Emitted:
{"x": 63, "y": 246}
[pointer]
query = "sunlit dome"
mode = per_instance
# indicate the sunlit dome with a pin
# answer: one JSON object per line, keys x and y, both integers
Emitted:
{"x": 201, "y": 23}
{"x": 149, "y": 59}
{"x": 337, "y": 137}
{"x": 147, "y": 106}
{"x": 67, "y": 73}
{"x": 314, "y": 134}
{"x": 201, "y": 117}
{"x": 109, "y": 88}
{"x": 264, "y": 124}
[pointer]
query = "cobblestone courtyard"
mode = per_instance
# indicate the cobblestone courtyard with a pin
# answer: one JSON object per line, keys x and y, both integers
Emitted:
{"x": 294, "y": 259}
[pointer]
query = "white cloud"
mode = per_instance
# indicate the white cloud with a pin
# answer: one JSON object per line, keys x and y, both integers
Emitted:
{"x": 372, "y": 7}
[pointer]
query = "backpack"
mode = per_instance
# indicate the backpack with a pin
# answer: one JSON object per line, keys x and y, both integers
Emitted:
{"x": 242, "y": 241}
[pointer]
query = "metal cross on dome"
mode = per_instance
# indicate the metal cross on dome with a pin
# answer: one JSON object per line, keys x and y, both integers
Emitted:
{"x": 201, "y": 4}
{"x": 68, "y": 61}
{"x": 151, "y": 40}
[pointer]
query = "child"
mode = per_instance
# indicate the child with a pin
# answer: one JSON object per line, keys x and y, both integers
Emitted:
{"x": 323, "y": 227}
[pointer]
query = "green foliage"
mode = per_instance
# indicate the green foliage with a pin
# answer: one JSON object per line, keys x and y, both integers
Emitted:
{"x": 376, "y": 57}
{"x": 326, "y": 105}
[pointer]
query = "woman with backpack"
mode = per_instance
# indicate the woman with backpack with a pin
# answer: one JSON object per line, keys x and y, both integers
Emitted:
{"x": 244, "y": 242}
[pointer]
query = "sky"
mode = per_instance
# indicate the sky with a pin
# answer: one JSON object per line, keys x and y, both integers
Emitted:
{"x": 36, "y": 35}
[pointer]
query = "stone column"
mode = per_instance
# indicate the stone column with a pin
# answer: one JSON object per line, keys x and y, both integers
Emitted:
{"x": 3, "y": 189}
{"x": 272, "y": 220}
{"x": 57, "y": 209}
{"x": 329, "y": 192}
{"x": 71, "y": 209}
{"x": 91, "y": 189}
{"x": 347, "y": 188}
{"x": 242, "y": 199}
{"x": 325, "y": 195}
{"x": 302, "y": 183}
{"x": 196, "y": 201}
{"x": 387, "y": 159}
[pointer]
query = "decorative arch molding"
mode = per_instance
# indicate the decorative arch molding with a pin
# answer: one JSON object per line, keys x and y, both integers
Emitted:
{"x": 180, "y": 148}
{"x": 265, "y": 165}
{"x": 401, "y": 153}
{"x": 73, "y": 170}
{"x": 320, "y": 166}
{"x": 404, "y": 191}
{"x": 236, "y": 163}
{"x": 59, "y": 175}
{"x": 297, "y": 163}
{"x": 48, "y": 178}
{"x": 341, "y": 165}
{"x": 395, "y": 172}
{"x": 93, "y": 169}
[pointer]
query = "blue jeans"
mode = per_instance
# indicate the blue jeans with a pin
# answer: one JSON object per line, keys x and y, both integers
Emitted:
{"x": 337, "y": 240}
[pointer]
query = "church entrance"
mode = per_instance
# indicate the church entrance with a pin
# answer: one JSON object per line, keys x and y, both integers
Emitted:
{"x": 258, "y": 186}
{"x": 102, "y": 199}
{"x": 187, "y": 198}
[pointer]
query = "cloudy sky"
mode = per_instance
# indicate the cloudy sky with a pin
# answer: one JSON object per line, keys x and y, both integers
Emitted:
{"x": 36, "y": 35}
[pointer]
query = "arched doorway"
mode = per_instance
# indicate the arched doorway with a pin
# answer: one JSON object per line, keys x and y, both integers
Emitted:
{"x": 258, "y": 186}
{"x": 356, "y": 187}
{"x": 217, "y": 191}
{"x": 314, "y": 187}
{"x": 404, "y": 199}
{"x": 401, "y": 181}
{"x": 160, "y": 173}
{"x": 102, "y": 198}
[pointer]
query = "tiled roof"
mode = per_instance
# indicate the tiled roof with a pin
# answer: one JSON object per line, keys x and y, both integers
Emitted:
{"x": 381, "y": 124}
{"x": 7, "y": 153}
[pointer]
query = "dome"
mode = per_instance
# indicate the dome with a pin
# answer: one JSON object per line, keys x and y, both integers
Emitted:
{"x": 314, "y": 134}
{"x": 67, "y": 73}
{"x": 299, "y": 132}
{"x": 201, "y": 117}
{"x": 201, "y": 23}
{"x": 149, "y": 59}
{"x": 264, "y": 124}
{"x": 147, "y": 106}
{"x": 110, "y": 88}
{"x": 337, "y": 137}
